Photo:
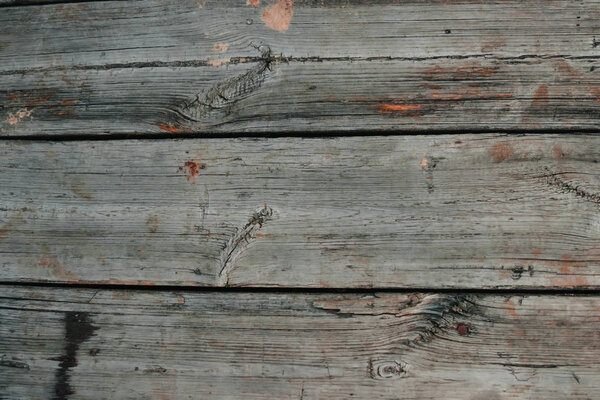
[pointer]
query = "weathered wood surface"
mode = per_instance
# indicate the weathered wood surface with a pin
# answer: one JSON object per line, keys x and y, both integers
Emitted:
{"x": 227, "y": 66}
{"x": 438, "y": 211}
{"x": 169, "y": 345}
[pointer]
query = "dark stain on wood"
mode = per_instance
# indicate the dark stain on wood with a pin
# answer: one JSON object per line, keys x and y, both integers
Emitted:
{"x": 13, "y": 363}
{"x": 78, "y": 329}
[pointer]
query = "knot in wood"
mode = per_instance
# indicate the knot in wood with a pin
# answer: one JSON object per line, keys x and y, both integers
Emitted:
{"x": 393, "y": 369}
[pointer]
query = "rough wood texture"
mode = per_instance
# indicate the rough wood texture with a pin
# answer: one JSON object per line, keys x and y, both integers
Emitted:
{"x": 441, "y": 211}
{"x": 228, "y": 66}
{"x": 168, "y": 345}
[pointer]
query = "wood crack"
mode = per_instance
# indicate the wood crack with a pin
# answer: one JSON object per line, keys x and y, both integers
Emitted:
{"x": 286, "y": 59}
{"x": 554, "y": 180}
{"x": 240, "y": 241}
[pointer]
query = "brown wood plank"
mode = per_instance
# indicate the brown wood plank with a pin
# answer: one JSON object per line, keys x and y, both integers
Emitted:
{"x": 175, "y": 345}
{"x": 226, "y": 66}
{"x": 437, "y": 211}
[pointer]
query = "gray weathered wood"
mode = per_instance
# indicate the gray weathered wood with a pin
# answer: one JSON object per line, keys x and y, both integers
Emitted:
{"x": 226, "y": 66}
{"x": 438, "y": 211}
{"x": 96, "y": 344}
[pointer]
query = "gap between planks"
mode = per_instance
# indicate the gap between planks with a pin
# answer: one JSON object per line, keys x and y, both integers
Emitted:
{"x": 577, "y": 291}
{"x": 151, "y": 136}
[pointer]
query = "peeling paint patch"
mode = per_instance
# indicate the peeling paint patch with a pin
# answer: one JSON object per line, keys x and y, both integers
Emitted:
{"x": 279, "y": 15}
{"x": 221, "y": 47}
{"x": 152, "y": 223}
{"x": 80, "y": 190}
{"x": 168, "y": 128}
{"x": 51, "y": 262}
{"x": 193, "y": 169}
{"x": 501, "y": 152}
{"x": 18, "y": 116}
{"x": 219, "y": 61}
{"x": 253, "y": 3}
{"x": 388, "y": 108}
{"x": 557, "y": 152}
{"x": 540, "y": 97}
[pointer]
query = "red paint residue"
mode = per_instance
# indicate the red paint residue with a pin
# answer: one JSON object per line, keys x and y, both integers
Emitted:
{"x": 68, "y": 103}
{"x": 193, "y": 169}
{"x": 169, "y": 128}
{"x": 462, "y": 329}
{"x": 540, "y": 97}
{"x": 279, "y": 15}
{"x": 464, "y": 71}
{"x": 557, "y": 152}
{"x": 41, "y": 100}
{"x": 502, "y": 151}
{"x": 388, "y": 108}
{"x": 468, "y": 94}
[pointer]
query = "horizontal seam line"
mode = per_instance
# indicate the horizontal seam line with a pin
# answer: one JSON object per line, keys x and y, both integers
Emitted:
{"x": 308, "y": 290}
{"x": 299, "y": 134}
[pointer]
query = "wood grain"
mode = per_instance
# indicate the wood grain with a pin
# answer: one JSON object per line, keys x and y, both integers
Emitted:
{"x": 226, "y": 66}
{"x": 172, "y": 345}
{"x": 437, "y": 211}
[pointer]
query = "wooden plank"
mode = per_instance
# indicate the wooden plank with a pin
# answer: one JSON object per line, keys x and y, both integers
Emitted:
{"x": 167, "y": 345}
{"x": 226, "y": 66}
{"x": 437, "y": 211}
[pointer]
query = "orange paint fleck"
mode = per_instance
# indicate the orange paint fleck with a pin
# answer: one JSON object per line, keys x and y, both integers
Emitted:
{"x": 510, "y": 308}
{"x": 41, "y": 100}
{"x": 557, "y": 152}
{"x": 501, "y": 152}
{"x": 24, "y": 113}
{"x": 388, "y": 108}
{"x": 424, "y": 163}
{"x": 222, "y": 47}
{"x": 253, "y": 3}
{"x": 168, "y": 128}
{"x": 219, "y": 61}
{"x": 468, "y": 94}
{"x": 569, "y": 281}
{"x": 68, "y": 103}
{"x": 279, "y": 15}
{"x": 492, "y": 45}
{"x": 18, "y": 116}
{"x": 12, "y": 119}
{"x": 464, "y": 71}
{"x": 51, "y": 262}
{"x": 193, "y": 169}
{"x": 540, "y": 97}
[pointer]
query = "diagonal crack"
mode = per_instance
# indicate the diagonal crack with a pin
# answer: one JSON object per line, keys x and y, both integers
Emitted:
{"x": 555, "y": 180}
{"x": 239, "y": 242}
